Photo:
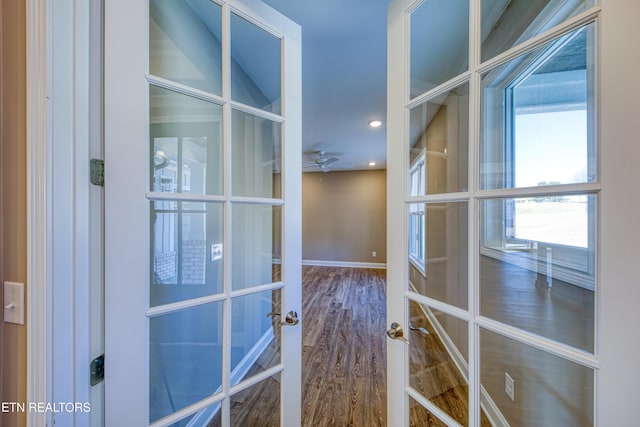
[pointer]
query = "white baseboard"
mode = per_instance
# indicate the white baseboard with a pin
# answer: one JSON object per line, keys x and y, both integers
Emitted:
{"x": 324, "y": 263}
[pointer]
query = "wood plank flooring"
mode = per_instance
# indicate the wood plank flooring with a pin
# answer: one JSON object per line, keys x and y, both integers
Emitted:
{"x": 344, "y": 359}
{"x": 344, "y": 347}
{"x": 344, "y": 355}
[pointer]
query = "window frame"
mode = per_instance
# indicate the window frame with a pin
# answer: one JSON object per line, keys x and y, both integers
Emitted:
{"x": 569, "y": 261}
{"x": 417, "y": 212}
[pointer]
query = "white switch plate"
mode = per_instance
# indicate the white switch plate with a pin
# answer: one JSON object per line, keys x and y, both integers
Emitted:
{"x": 14, "y": 302}
{"x": 509, "y": 386}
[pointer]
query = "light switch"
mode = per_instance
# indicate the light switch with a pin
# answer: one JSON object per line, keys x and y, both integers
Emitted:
{"x": 14, "y": 302}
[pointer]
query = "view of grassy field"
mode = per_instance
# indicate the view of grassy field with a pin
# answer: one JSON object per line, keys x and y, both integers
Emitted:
{"x": 560, "y": 222}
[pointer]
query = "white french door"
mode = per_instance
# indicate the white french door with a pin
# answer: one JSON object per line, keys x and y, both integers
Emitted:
{"x": 509, "y": 124}
{"x": 202, "y": 214}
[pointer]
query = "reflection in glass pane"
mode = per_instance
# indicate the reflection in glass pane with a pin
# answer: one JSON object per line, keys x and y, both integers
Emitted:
{"x": 258, "y": 405}
{"x": 439, "y": 43}
{"x": 209, "y": 417}
{"x": 563, "y": 388}
{"x": 538, "y": 116}
{"x": 256, "y": 156}
{"x": 186, "y": 251}
{"x": 185, "y": 358}
{"x": 438, "y": 251}
{"x": 438, "y": 353}
{"x": 186, "y": 143}
{"x": 255, "y": 66}
{"x": 184, "y": 43}
{"x": 419, "y": 416}
{"x": 255, "y": 335}
{"x": 506, "y": 23}
{"x": 255, "y": 244}
{"x": 439, "y": 144}
{"x": 537, "y": 258}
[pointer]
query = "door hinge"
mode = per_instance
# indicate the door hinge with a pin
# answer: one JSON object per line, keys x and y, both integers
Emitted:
{"x": 96, "y": 169}
{"x": 97, "y": 370}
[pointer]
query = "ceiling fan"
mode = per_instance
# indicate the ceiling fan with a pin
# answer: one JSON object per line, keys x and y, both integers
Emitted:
{"x": 325, "y": 162}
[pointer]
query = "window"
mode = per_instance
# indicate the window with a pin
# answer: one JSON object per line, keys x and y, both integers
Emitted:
{"x": 179, "y": 228}
{"x": 416, "y": 212}
{"x": 538, "y": 134}
{"x": 547, "y": 115}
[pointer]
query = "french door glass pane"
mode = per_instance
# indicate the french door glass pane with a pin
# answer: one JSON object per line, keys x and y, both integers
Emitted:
{"x": 255, "y": 334}
{"x": 184, "y": 42}
{"x": 448, "y": 21}
{"x": 439, "y": 145}
{"x": 438, "y": 251}
{"x": 538, "y": 117}
{"x": 256, "y": 153}
{"x": 186, "y": 143}
{"x": 209, "y": 417}
{"x": 537, "y": 258}
{"x": 255, "y": 73}
{"x": 256, "y": 241}
{"x": 258, "y": 405}
{"x": 419, "y": 416}
{"x": 433, "y": 338}
{"x": 186, "y": 251}
{"x": 548, "y": 390}
{"x": 185, "y": 358}
{"x": 506, "y": 23}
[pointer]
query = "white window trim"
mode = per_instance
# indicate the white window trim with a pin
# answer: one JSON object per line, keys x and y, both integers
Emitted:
{"x": 418, "y": 165}
{"x": 569, "y": 266}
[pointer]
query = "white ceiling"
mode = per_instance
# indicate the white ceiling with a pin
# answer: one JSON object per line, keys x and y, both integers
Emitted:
{"x": 344, "y": 68}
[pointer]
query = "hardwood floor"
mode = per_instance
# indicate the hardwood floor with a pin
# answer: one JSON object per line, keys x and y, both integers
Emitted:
{"x": 344, "y": 347}
{"x": 344, "y": 358}
{"x": 343, "y": 355}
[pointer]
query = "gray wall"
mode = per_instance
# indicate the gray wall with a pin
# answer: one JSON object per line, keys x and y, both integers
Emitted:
{"x": 344, "y": 216}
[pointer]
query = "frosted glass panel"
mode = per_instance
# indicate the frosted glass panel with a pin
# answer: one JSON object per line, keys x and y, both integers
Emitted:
{"x": 185, "y": 358}
{"x": 186, "y": 143}
{"x": 184, "y": 42}
{"x": 256, "y": 156}
{"x": 255, "y": 66}
{"x": 187, "y": 251}
{"x": 439, "y": 43}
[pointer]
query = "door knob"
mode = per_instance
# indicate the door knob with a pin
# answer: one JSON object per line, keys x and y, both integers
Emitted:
{"x": 397, "y": 333}
{"x": 291, "y": 319}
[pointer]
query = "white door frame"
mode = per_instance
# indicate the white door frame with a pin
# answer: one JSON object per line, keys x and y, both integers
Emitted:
{"x": 617, "y": 294}
{"x": 37, "y": 230}
{"x": 64, "y": 220}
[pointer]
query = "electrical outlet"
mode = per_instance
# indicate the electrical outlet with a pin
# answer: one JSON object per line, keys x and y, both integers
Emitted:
{"x": 510, "y": 386}
{"x": 374, "y": 254}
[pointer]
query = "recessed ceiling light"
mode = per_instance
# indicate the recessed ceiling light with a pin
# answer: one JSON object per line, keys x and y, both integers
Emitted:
{"x": 375, "y": 123}
{"x": 372, "y": 163}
